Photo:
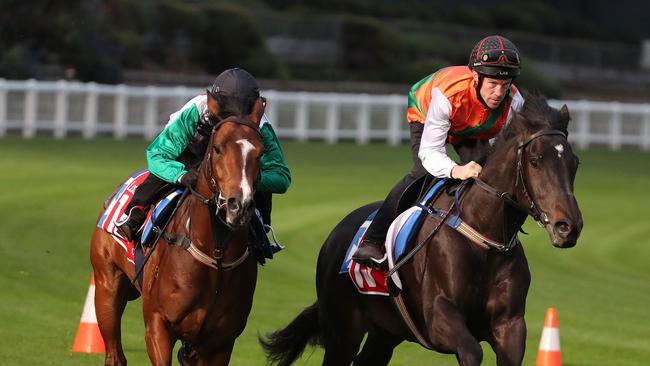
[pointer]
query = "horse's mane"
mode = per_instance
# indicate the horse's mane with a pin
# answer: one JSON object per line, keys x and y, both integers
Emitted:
{"x": 535, "y": 115}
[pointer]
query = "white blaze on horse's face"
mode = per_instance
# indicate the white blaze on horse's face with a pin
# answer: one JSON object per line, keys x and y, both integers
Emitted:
{"x": 245, "y": 185}
{"x": 560, "y": 150}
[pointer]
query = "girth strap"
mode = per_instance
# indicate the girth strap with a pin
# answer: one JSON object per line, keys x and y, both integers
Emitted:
{"x": 401, "y": 307}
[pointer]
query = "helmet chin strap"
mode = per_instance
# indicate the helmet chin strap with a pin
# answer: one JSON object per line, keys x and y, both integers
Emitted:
{"x": 478, "y": 90}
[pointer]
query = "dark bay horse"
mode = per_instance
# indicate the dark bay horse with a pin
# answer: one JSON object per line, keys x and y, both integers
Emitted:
{"x": 457, "y": 292}
{"x": 202, "y": 295}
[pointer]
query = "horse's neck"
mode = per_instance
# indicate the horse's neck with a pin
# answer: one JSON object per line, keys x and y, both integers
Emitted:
{"x": 484, "y": 211}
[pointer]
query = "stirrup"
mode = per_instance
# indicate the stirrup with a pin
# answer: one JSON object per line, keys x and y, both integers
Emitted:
{"x": 125, "y": 217}
{"x": 275, "y": 243}
{"x": 371, "y": 261}
{"x": 381, "y": 260}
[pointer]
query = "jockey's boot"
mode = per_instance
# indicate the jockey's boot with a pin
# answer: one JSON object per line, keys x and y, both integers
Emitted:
{"x": 369, "y": 254}
{"x": 134, "y": 221}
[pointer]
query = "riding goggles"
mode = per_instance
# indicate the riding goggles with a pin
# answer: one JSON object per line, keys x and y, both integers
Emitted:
{"x": 499, "y": 57}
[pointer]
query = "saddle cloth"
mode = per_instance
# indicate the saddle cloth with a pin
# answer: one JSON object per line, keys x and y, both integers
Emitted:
{"x": 114, "y": 213}
{"x": 403, "y": 230}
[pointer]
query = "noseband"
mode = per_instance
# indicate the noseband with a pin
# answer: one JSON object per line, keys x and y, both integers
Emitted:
{"x": 531, "y": 209}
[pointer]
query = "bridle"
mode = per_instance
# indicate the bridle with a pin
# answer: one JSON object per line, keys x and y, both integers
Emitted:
{"x": 531, "y": 209}
{"x": 218, "y": 201}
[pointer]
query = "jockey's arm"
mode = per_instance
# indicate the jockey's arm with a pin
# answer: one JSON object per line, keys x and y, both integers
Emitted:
{"x": 275, "y": 174}
{"x": 169, "y": 144}
{"x": 434, "y": 137}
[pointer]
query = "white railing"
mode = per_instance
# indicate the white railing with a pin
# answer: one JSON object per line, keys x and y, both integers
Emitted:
{"x": 61, "y": 109}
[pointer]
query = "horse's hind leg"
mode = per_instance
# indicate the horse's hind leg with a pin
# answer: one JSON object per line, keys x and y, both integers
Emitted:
{"x": 342, "y": 337}
{"x": 220, "y": 357}
{"x": 377, "y": 350}
{"x": 341, "y": 352}
{"x": 112, "y": 291}
{"x": 110, "y": 301}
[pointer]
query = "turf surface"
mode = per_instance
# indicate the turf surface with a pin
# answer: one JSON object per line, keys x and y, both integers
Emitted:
{"x": 51, "y": 192}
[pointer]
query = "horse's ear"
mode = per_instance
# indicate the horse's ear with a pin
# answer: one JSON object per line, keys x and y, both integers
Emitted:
{"x": 517, "y": 125}
{"x": 563, "y": 121}
{"x": 258, "y": 111}
{"x": 213, "y": 105}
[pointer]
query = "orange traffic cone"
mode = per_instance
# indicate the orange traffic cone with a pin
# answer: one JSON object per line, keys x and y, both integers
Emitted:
{"x": 88, "y": 338}
{"x": 549, "y": 346}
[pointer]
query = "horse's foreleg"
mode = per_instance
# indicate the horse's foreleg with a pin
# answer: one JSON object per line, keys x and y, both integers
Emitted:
{"x": 449, "y": 334}
{"x": 505, "y": 309}
{"x": 509, "y": 340}
{"x": 159, "y": 340}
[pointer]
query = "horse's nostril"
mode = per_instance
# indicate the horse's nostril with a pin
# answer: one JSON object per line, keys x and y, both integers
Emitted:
{"x": 233, "y": 204}
{"x": 563, "y": 228}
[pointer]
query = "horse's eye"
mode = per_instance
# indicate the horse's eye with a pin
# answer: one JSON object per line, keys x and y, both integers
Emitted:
{"x": 217, "y": 149}
{"x": 535, "y": 161}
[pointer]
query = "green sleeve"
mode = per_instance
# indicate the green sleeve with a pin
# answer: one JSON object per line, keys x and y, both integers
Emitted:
{"x": 170, "y": 143}
{"x": 276, "y": 176}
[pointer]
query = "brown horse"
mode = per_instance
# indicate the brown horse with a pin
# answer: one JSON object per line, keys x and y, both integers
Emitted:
{"x": 201, "y": 294}
{"x": 456, "y": 291}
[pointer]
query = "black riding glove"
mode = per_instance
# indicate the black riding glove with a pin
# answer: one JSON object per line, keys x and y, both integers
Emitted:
{"x": 205, "y": 125}
{"x": 199, "y": 142}
{"x": 189, "y": 179}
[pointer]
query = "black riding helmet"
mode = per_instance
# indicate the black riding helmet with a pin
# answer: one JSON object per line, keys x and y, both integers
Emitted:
{"x": 496, "y": 57}
{"x": 236, "y": 91}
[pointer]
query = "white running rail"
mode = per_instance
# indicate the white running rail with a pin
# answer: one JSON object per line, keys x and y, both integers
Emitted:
{"x": 61, "y": 108}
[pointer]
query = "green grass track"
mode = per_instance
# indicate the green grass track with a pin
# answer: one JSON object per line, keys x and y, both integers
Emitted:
{"x": 51, "y": 192}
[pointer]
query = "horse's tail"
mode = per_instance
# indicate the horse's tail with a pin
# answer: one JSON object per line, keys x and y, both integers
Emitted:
{"x": 284, "y": 346}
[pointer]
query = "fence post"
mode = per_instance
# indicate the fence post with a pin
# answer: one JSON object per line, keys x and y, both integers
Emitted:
{"x": 3, "y": 107}
{"x": 61, "y": 109}
{"x": 615, "y": 132}
{"x": 583, "y": 125}
{"x": 119, "y": 123}
{"x": 394, "y": 122}
{"x": 29, "y": 128}
{"x": 90, "y": 112}
{"x": 150, "y": 113}
{"x": 332, "y": 119}
{"x": 363, "y": 120}
{"x": 302, "y": 112}
{"x": 645, "y": 136}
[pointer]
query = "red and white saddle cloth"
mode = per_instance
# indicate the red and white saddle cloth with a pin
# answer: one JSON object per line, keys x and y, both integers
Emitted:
{"x": 115, "y": 211}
